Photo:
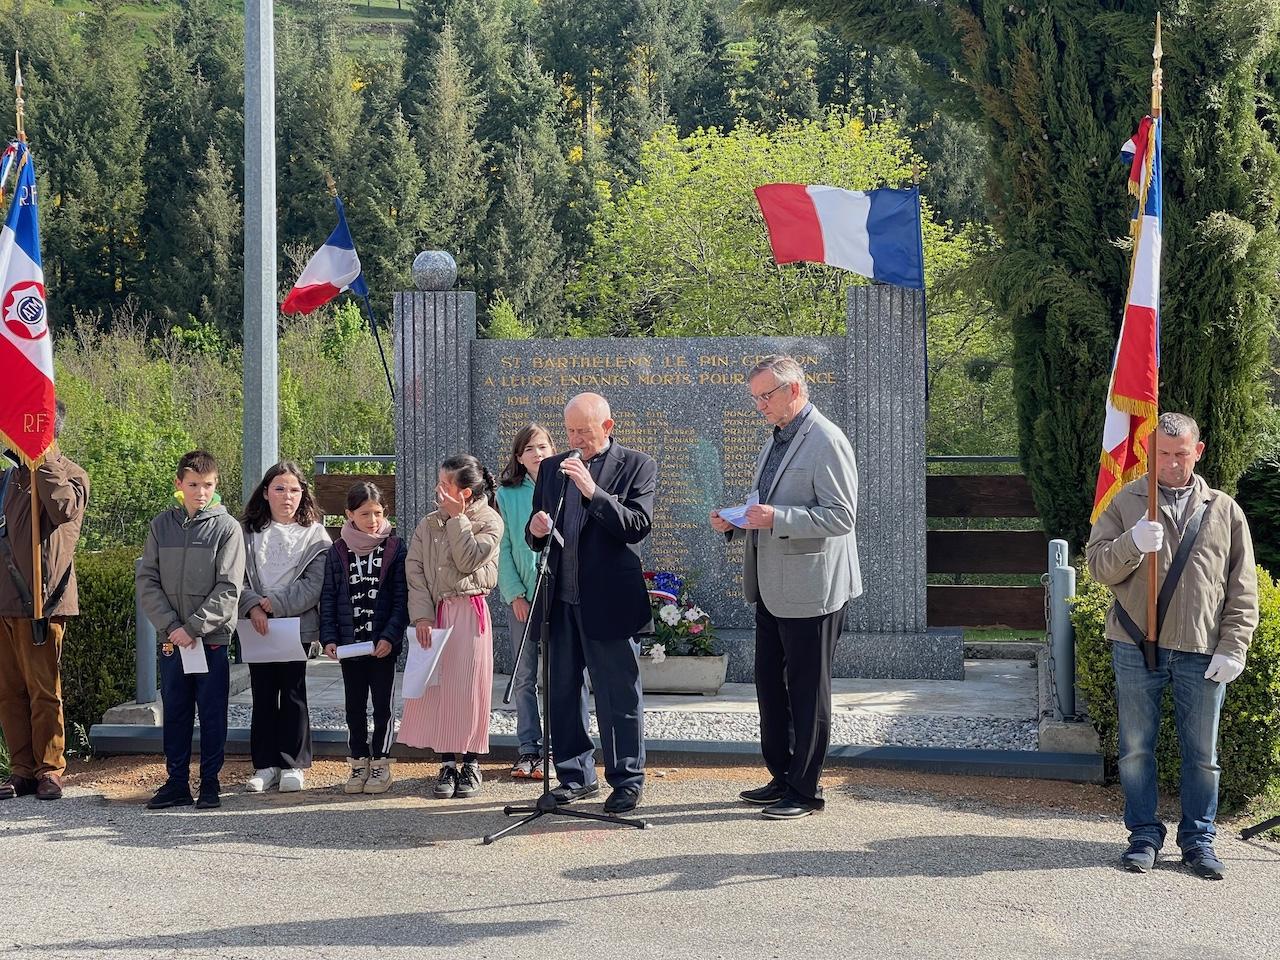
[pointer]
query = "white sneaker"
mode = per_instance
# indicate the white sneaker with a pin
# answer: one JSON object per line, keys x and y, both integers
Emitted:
{"x": 291, "y": 781}
{"x": 263, "y": 779}
{"x": 359, "y": 774}
{"x": 379, "y": 776}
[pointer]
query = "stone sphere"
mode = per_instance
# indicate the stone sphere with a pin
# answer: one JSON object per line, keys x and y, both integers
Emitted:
{"x": 434, "y": 270}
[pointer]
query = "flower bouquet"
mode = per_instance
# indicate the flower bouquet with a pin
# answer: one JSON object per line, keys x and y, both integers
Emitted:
{"x": 681, "y": 627}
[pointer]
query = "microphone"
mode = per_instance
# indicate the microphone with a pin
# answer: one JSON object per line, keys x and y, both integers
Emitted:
{"x": 574, "y": 454}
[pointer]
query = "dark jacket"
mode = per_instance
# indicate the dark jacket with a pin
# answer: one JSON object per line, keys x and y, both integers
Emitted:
{"x": 62, "y": 488}
{"x": 611, "y": 586}
{"x": 390, "y": 610}
{"x": 191, "y": 573}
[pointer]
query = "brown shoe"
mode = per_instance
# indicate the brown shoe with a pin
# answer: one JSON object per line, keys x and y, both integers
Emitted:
{"x": 17, "y": 786}
{"x": 50, "y": 787}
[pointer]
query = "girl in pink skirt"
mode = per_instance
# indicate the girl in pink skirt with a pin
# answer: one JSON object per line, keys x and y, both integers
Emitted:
{"x": 452, "y": 565}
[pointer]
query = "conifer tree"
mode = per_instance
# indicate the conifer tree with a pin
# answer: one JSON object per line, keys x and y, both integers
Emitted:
{"x": 779, "y": 85}
{"x": 1055, "y": 89}
{"x": 526, "y": 262}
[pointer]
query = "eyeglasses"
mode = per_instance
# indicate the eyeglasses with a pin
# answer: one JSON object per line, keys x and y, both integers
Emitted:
{"x": 764, "y": 397}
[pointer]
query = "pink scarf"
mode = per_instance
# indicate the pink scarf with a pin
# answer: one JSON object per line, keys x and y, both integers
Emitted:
{"x": 362, "y": 544}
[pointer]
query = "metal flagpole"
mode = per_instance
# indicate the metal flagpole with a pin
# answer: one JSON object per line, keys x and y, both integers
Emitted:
{"x": 1153, "y": 483}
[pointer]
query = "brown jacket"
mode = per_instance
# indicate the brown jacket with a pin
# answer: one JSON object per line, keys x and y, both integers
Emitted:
{"x": 452, "y": 557}
{"x": 63, "y": 489}
{"x": 1215, "y": 606}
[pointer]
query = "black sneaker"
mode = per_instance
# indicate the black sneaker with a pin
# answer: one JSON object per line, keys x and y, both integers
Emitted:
{"x": 469, "y": 779}
{"x": 447, "y": 783}
{"x": 1140, "y": 857}
{"x": 175, "y": 793}
{"x": 210, "y": 797}
{"x": 1203, "y": 862}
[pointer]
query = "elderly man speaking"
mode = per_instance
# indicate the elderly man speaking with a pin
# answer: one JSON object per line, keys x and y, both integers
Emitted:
{"x": 599, "y": 603}
{"x": 801, "y": 571}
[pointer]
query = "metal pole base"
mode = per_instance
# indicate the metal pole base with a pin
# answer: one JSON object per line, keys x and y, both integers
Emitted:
{"x": 1258, "y": 828}
{"x": 544, "y": 808}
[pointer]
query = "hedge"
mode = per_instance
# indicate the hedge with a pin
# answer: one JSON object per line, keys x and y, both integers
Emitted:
{"x": 1249, "y": 733}
{"x": 98, "y": 669}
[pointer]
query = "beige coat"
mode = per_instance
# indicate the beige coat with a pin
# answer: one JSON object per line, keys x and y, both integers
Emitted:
{"x": 455, "y": 557}
{"x": 1215, "y": 606}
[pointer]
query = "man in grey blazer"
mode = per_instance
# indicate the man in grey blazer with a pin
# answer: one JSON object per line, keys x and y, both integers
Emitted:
{"x": 801, "y": 571}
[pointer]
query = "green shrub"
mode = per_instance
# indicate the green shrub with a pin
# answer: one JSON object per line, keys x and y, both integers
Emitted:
{"x": 98, "y": 669}
{"x": 1259, "y": 496}
{"x": 1249, "y": 733}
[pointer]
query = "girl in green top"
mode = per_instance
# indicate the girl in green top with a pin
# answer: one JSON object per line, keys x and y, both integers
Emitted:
{"x": 516, "y": 578}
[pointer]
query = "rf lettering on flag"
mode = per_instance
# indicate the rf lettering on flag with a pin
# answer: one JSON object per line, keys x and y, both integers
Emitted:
{"x": 1132, "y": 394}
{"x": 26, "y": 347}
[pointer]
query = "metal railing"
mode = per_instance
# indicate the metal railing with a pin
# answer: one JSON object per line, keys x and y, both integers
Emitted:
{"x": 323, "y": 462}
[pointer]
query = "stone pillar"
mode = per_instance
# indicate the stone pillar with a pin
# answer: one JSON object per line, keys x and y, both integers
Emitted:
{"x": 434, "y": 331}
{"x": 888, "y": 633}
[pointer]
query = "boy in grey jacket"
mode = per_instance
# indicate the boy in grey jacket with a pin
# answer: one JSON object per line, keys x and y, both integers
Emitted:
{"x": 189, "y": 588}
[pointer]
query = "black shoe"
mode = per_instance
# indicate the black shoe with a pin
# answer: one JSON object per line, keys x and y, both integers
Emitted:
{"x": 790, "y": 808}
{"x": 446, "y": 783}
{"x": 565, "y": 794}
{"x": 763, "y": 796}
{"x": 1140, "y": 857}
{"x": 623, "y": 799}
{"x": 1203, "y": 862}
{"x": 469, "y": 780}
{"x": 172, "y": 794}
{"x": 210, "y": 797}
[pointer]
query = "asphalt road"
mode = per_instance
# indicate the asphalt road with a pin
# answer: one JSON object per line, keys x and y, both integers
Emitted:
{"x": 886, "y": 871}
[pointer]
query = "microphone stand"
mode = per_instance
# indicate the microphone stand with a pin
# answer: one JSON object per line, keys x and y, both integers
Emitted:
{"x": 547, "y": 803}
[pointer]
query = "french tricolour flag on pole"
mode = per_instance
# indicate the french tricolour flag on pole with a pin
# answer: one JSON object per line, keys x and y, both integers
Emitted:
{"x": 333, "y": 268}
{"x": 872, "y": 232}
{"x": 26, "y": 348}
{"x": 1131, "y": 413}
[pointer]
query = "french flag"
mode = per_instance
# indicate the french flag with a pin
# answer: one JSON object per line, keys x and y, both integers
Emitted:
{"x": 333, "y": 268}
{"x": 875, "y": 233}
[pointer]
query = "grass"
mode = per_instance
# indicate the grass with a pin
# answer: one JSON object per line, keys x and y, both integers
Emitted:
{"x": 4, "y": 758}
{"x": 995, "y": 635}
{"x": 1262, "y": 807}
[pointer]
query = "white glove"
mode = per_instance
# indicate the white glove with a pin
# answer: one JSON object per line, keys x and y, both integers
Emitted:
{"x": 1223, "y": 669}
{"x": 1148, "y": 535}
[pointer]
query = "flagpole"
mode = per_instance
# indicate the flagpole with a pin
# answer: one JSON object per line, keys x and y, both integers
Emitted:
{"x": 1153, "y": 483}
{"x": 37, "y": 571}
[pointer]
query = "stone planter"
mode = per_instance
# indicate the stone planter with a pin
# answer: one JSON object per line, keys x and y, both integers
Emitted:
{"x": 704, "y": 675}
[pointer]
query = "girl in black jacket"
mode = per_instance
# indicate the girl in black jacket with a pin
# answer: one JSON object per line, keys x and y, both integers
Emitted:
{"x": 365, "y": 600}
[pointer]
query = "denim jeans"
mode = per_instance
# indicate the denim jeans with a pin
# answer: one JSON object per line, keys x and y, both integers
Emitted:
{"x": 1197, "y": 703}
{"x": 525, "y": 690}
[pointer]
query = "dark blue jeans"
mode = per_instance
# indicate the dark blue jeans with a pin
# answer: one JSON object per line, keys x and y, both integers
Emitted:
{"x": 183, "y": 695}
{"x": 525, "y": 690}
{"x": 1197, "y": 703}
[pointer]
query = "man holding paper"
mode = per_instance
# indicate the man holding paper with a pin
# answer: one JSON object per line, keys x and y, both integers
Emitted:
{"x": 801, "y": 571}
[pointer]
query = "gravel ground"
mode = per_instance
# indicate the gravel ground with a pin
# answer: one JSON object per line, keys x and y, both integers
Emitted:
{"x": 846, "y": 728}
{"x": 898, "y": 866}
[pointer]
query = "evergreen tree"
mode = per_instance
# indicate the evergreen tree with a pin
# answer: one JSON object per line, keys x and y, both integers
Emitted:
{"x": 419, "y": 50}
{"x": 482, "y": 29}
{"x": 1055, "y": 89}
{"x": 779, "y": 85}
{"x": 704, "y": 97}
{"x": 526, "y": 265}
{"x": 387, "y": 209}
{"x": 586, "y": 172}
{"x": 452, "y": 158}
{"x": 202, "y": 276}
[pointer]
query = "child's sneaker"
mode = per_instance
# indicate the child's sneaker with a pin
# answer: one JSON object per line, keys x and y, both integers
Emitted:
{"x": 447, "y": 782}
{"x": 173, "y": 794}
{"x": 210, "y": 795}
{"x": 379, "y": 776}
{"x": 522, "y": 769}
{"x": 291, "y": 781}
{"x": 263, "y": 779}
{"x": 359, "y": 774}
{"x": 469, "y": 779}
